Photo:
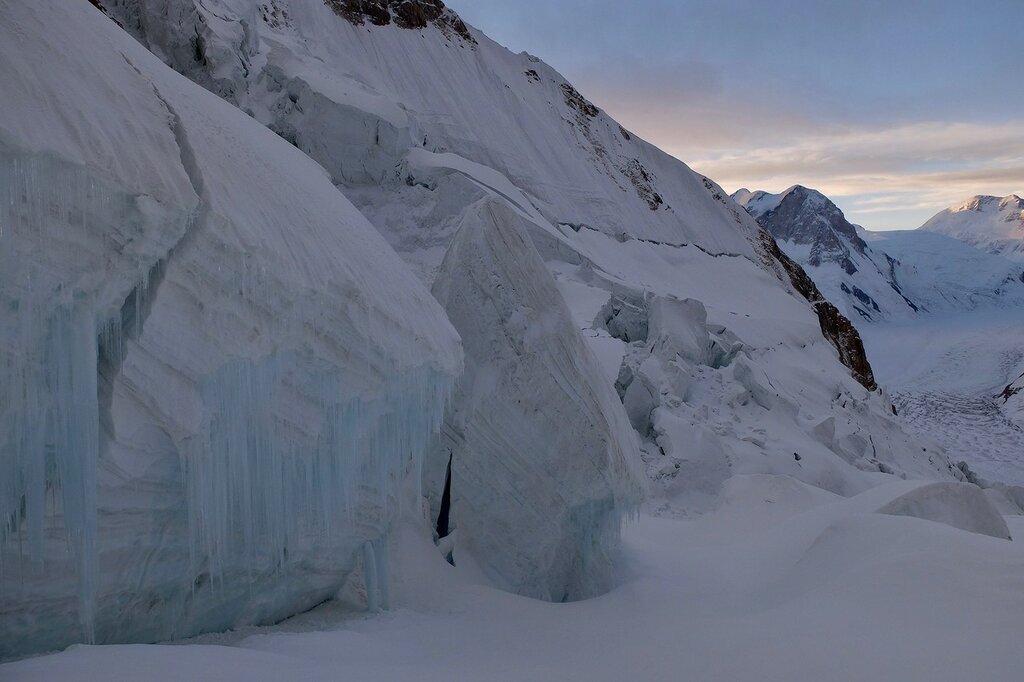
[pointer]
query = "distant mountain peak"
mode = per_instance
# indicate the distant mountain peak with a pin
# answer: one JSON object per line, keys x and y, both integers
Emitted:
{"x": 802, "y": 215}
{"x": 990, "y": 223}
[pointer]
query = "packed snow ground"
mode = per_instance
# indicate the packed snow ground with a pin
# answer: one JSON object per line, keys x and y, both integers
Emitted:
{"x": 945, "y": 374}
{"x": 782, "y": 582}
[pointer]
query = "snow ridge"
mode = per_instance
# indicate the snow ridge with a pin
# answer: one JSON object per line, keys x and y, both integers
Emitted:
{"x": 992, "y": 224}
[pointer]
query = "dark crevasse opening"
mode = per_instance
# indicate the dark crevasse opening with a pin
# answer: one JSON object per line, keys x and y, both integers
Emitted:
{"x": 443, "y": 525}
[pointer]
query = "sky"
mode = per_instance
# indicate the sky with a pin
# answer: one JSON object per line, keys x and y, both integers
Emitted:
{"x": 896, "y": 109}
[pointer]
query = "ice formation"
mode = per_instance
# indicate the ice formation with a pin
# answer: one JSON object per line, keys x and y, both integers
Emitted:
{"x": 544, "y": 463}
{"x": 215, "y": 374}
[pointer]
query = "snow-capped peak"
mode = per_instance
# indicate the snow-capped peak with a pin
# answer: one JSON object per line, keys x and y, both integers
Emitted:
{"x": 992, "y": 224}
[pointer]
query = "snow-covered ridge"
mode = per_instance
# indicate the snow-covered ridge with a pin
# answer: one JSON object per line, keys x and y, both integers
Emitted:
{"x": 992, "y": 224}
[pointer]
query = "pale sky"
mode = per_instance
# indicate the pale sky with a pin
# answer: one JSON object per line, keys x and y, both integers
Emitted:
{"x": 894, "y": 108}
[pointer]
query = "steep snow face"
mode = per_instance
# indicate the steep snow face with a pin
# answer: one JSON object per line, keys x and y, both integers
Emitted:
{"x": 358, "y": 96}
{"x": 993, "y": 224}
{"x": 417, "y": 124}
{"x": 544, "y": 462}
{"x": 815, "y": 233}
{"x": 215, "y": 375}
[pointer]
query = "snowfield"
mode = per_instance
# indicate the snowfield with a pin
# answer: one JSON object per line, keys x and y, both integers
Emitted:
{"x": 782, "y": 582}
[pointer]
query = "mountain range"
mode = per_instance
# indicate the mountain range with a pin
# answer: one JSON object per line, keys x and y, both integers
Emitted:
{"x": 945, "y": 265}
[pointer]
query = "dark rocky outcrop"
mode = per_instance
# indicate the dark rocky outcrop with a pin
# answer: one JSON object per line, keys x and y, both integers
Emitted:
{"x": 1012, "y": 389}
{"x": 643, "y": 183}
{"x": 410, "y": 14}
{"x": 578, "y": 102}
{"x": 834, "y": 326}
{"x": 805, "y": 216}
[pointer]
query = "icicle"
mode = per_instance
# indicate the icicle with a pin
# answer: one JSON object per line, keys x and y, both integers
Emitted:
{"x": 371, "y": 577}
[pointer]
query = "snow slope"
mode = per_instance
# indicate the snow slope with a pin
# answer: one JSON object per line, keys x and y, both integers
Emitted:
{"x": 946, "y": 275}
{"x": 993, "y": 224}
{"x": 215, "y": 374}
{"x": 782, "y": 582}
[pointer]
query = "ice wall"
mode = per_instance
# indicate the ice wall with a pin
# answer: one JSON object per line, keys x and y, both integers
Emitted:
{"x": 214, "y": 374}
{"x": 544, "y": 462}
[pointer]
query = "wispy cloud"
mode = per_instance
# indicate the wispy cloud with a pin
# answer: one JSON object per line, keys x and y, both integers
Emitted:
{"x": 895, "y": 109}
{"x": 882, "y": 177}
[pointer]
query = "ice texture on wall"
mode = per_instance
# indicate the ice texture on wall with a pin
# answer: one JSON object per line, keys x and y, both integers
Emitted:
{"x": 544, "y": 462}
{"x": 214, "y": 374}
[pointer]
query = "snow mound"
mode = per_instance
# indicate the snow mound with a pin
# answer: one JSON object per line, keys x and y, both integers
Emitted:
{"x": 544, "y": 463}
{"x": 215, "y": 375}
{"x": 961, "y": 505}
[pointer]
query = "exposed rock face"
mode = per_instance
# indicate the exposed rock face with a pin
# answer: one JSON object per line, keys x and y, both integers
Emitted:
{"x": 412, "y": 14}
{"x": 804, "y": 216}
{"x": 863, "y": 282}
{"x": 834, "y": 326}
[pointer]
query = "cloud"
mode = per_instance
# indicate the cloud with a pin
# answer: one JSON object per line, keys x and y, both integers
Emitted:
{"x": 888, "y": 174}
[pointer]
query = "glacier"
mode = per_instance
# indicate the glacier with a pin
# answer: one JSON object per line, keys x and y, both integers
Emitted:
{"x": 543, "y": 522}
{"x": 216, "y": 375}
{"x": 226, "y": 388}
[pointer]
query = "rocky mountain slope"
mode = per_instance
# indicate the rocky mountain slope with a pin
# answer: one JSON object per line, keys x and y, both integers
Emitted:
{"x": 222, "y": 384}
{"x": 813, "y": 231}
{"x": 883, "y": 276}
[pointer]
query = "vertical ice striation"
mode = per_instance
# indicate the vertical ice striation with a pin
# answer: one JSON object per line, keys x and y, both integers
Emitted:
{"x": 544, "y": 461}
{"x": 214, "y": 374}
{"x": 52, "y": 297}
